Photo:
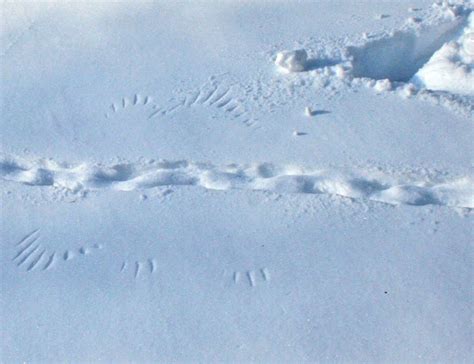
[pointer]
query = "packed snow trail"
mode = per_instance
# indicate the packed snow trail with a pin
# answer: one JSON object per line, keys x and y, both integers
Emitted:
{"x": 406, "y": 188}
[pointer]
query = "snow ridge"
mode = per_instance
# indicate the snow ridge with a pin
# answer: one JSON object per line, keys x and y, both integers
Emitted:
{"x": 410, "y": 189}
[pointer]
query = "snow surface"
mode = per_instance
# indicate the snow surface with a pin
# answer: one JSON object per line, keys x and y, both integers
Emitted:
{"x": 168, "y": 195}
{"x": 451, "y": 68}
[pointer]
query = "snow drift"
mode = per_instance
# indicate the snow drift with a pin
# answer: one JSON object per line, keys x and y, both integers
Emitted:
{"x": 451, "y": 68}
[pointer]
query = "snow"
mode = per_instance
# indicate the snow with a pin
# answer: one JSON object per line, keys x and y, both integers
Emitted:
{"x": 166, "y": 196}
{"x": 451, "y": 68}
{"x": 399, "y": 56}
{"x": 281, "y": 179}
{"x": 382, "y": 85}
{"x": 308, "y": 111}
{"x": 292, "y": 61}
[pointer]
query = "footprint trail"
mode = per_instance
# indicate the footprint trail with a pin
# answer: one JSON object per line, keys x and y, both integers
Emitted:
{"x": 402, "y": 189}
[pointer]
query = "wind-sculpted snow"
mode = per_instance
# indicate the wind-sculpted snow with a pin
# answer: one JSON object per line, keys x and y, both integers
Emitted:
{"x": 377, "y": 186}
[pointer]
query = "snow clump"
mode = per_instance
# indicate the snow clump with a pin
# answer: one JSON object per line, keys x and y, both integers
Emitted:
{"x": 292, "y": 61}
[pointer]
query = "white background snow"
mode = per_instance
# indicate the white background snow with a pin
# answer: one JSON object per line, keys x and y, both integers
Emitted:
{"x": 168, "y": 194}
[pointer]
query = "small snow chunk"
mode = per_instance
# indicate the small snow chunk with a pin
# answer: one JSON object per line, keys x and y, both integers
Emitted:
{"x": 298, "y": 133}
{"x": 383, "y": 85}
{"x": 413, "y": 9}
{"x": 143, "y": 197}
{"x": 368, "y": 82}
{"x": 381, "y": 16}
{"x": 292, "y": 61}
{"x": 308, "y": 111}
{"x": 340, "y": 71}
{"x": 408, "y": 90}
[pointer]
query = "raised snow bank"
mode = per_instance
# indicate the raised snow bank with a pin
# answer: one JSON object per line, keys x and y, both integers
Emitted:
{"x": 400, "y": 56}
{"x": 451, "y": 68}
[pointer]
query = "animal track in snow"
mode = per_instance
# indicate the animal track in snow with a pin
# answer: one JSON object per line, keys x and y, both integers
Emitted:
{"x": 217, "y": 95}
{"x": 402, "y": 188}
{"x": 251, "y": 277}
{"x": 136, "y": 101}
{"x": 220, "y": 96}
{"x": 139, "y": 267}
{"x": 32, "y": 255}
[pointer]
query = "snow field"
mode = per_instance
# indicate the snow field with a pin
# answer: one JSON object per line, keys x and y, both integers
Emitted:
{"x": 169, "y": 190}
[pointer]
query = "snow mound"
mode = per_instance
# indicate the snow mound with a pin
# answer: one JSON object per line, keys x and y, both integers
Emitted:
{"x": 451, "y": 68}
{"x": 292, "y": 61}
{"x": 400, "y": 56}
